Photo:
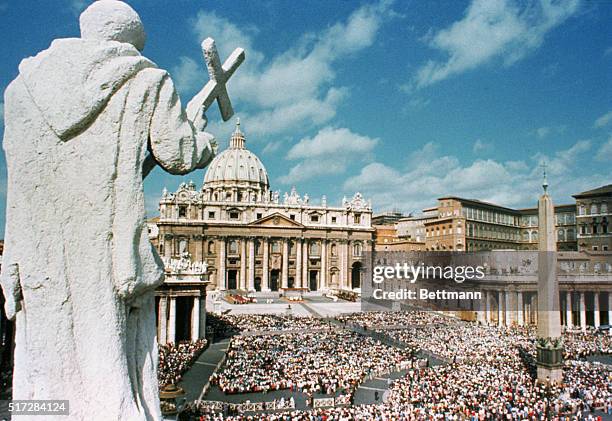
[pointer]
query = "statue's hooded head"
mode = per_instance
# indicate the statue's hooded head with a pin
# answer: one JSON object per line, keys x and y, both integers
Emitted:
{"x": 112, "y": 20}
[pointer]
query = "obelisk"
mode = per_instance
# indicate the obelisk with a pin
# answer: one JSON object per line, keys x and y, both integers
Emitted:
{"x": 549, "y": 342}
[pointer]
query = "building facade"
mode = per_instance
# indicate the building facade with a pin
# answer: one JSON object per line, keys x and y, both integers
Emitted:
{"x": 253, "y": 240}
{"x": 458, "y": 224}
{"x": 593, "y": 219}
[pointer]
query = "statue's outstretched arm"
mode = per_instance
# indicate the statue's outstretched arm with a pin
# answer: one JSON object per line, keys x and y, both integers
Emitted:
{"x": 177, "y": 146}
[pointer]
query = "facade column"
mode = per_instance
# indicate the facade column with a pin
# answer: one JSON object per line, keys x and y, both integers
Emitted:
{"x": 172, "y": 321}
{"x": 610, "y": 312}
{"x": 596, "y": 320}
{"x": 508, "y": 308}
{"x": 323, "y": 274}
{"x": 298, "y": 264}
{"x": 266, "y": 265}
{"x": 243, "y": 263}
{"x": 221, "y": 275}
{"x": 568, "y": 310}
{"x": 251, "y": 276}
{"x": 285, "y": 272}
{"x": 343, "y": 263}
{"x": 500, "y": 314}
{"x": 582, "y": 311}
{"x": 305, "y": 281}
{"x": 519, "y": 309}
{"x": 163, "y": 320}
{"x": 195, "y": 319}
{"x": 488, "y": 307}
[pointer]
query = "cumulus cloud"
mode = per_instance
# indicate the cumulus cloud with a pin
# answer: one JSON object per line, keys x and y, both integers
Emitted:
{"x": 330, "y": 151}
{"x": 480, "y": 146}
{"x": 77, "y": 6}
{"x": 188, "y": 75}
{"x": 603, "y": 120}
{"x": 604, "y": 154}
{"x": 492, "y": 29}
{"x": 293, "y": 90}
{"x": 510, "y": 183}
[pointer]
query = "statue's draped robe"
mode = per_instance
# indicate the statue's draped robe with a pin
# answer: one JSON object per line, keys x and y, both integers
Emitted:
{"x": 79, "y": 121}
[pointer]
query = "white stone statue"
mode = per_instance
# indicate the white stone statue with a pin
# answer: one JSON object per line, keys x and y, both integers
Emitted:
{"x": 78, "y": 270}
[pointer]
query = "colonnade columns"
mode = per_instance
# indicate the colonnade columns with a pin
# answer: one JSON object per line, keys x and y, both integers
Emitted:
{"x": 596, "y": 320}
{"x": 343, "y": 263}
{"x": 610, "y": 312}
{"x": 568, "y": 310}
{"x": 508, "y": 308}
{"x": 243, "y": 264}
{"x": 305, "y": 283}
{"x": 221, "y": 276}
{"x": 520, "y": 319}
{"x": 162, "y": 336}
{"x": 285, "y": 272}
{"x": 266, "y": 265}
{"x": 172, "y": 321}
{"x": 299, "y": 283}
{"x": 195, "y": 319}
{"x": 500, "y": 314}
{"x": 582, "y": 311}
{"x": 251, "y": 276}
{"x": 323, "y": 274}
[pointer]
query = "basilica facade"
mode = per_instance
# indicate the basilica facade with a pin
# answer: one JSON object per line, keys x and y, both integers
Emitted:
{"x": 253, "y": 239}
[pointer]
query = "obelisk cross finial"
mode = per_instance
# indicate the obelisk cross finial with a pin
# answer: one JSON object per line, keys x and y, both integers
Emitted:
{"x": 545, "y": 180}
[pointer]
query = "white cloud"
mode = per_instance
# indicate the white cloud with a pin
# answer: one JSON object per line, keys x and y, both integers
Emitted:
{"x": 330, "y": 151}
{"x": 604, "y": 154}
{"x": 188, "y": 75}
{"x": 1, "y": 113}
{"x": 293, "y": 90}
{"x": 77, "y": 6}
{"x": 481, "y": 146}
{"x": 492, "y": 29}
{"x": 512, "y": 183}
{"x": 603, "y": 120}
{"x": 542, "y": 132}
{"x": 330, "y": 141}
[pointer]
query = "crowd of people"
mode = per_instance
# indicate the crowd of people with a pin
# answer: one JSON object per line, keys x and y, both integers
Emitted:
{"x": 322, "y": 362}
{"x": 271, "y": 322}
{"x": 489, "y": 375}
{"x": 175, "y": 359}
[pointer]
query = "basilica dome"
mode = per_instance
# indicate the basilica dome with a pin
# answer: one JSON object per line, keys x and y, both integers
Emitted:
{"x": 236, "y": 167}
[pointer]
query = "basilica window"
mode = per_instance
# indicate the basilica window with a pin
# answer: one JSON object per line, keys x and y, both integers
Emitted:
{"x": 594, "y": 209}
{"x": 314, "y": 218}
{"x": 233, "y": 247}
{"x": 182, "y": 211}
{"x": 357, "y": 249}
{"x": 357, "y": 218}
{"x": 561, "y": 235}
{"x": 276, "y": 247}
{"x": 313, "y": 249}
{"x": 292, "y": 217}
{"x": 333, "y": 219}
{"x": 182, "y": 246}
{"x": 234, "y": 215}
{"x": 604, "y": 208}
{"x": 334, "y": 250}
{"x": 259, "y": 215}
{"x": 211, "y": 215}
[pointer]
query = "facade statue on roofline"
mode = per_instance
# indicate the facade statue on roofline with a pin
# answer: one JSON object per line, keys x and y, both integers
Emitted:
{"x": 85, "y": 122}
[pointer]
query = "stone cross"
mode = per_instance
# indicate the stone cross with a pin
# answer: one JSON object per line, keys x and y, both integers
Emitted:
{"x": 216, "y": 88}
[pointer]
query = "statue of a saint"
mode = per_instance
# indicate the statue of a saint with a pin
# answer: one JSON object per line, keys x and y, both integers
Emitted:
{"x": 79, "y": 272}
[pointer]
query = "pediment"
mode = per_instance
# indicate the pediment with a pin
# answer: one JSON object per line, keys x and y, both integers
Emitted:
{"x": 276, "y": 220}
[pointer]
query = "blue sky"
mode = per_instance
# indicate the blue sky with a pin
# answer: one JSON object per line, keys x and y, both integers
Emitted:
{"x": 403, "y": 101}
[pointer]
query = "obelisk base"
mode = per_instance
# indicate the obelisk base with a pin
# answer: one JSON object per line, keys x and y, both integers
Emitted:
{"x": 550, "y": 360}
